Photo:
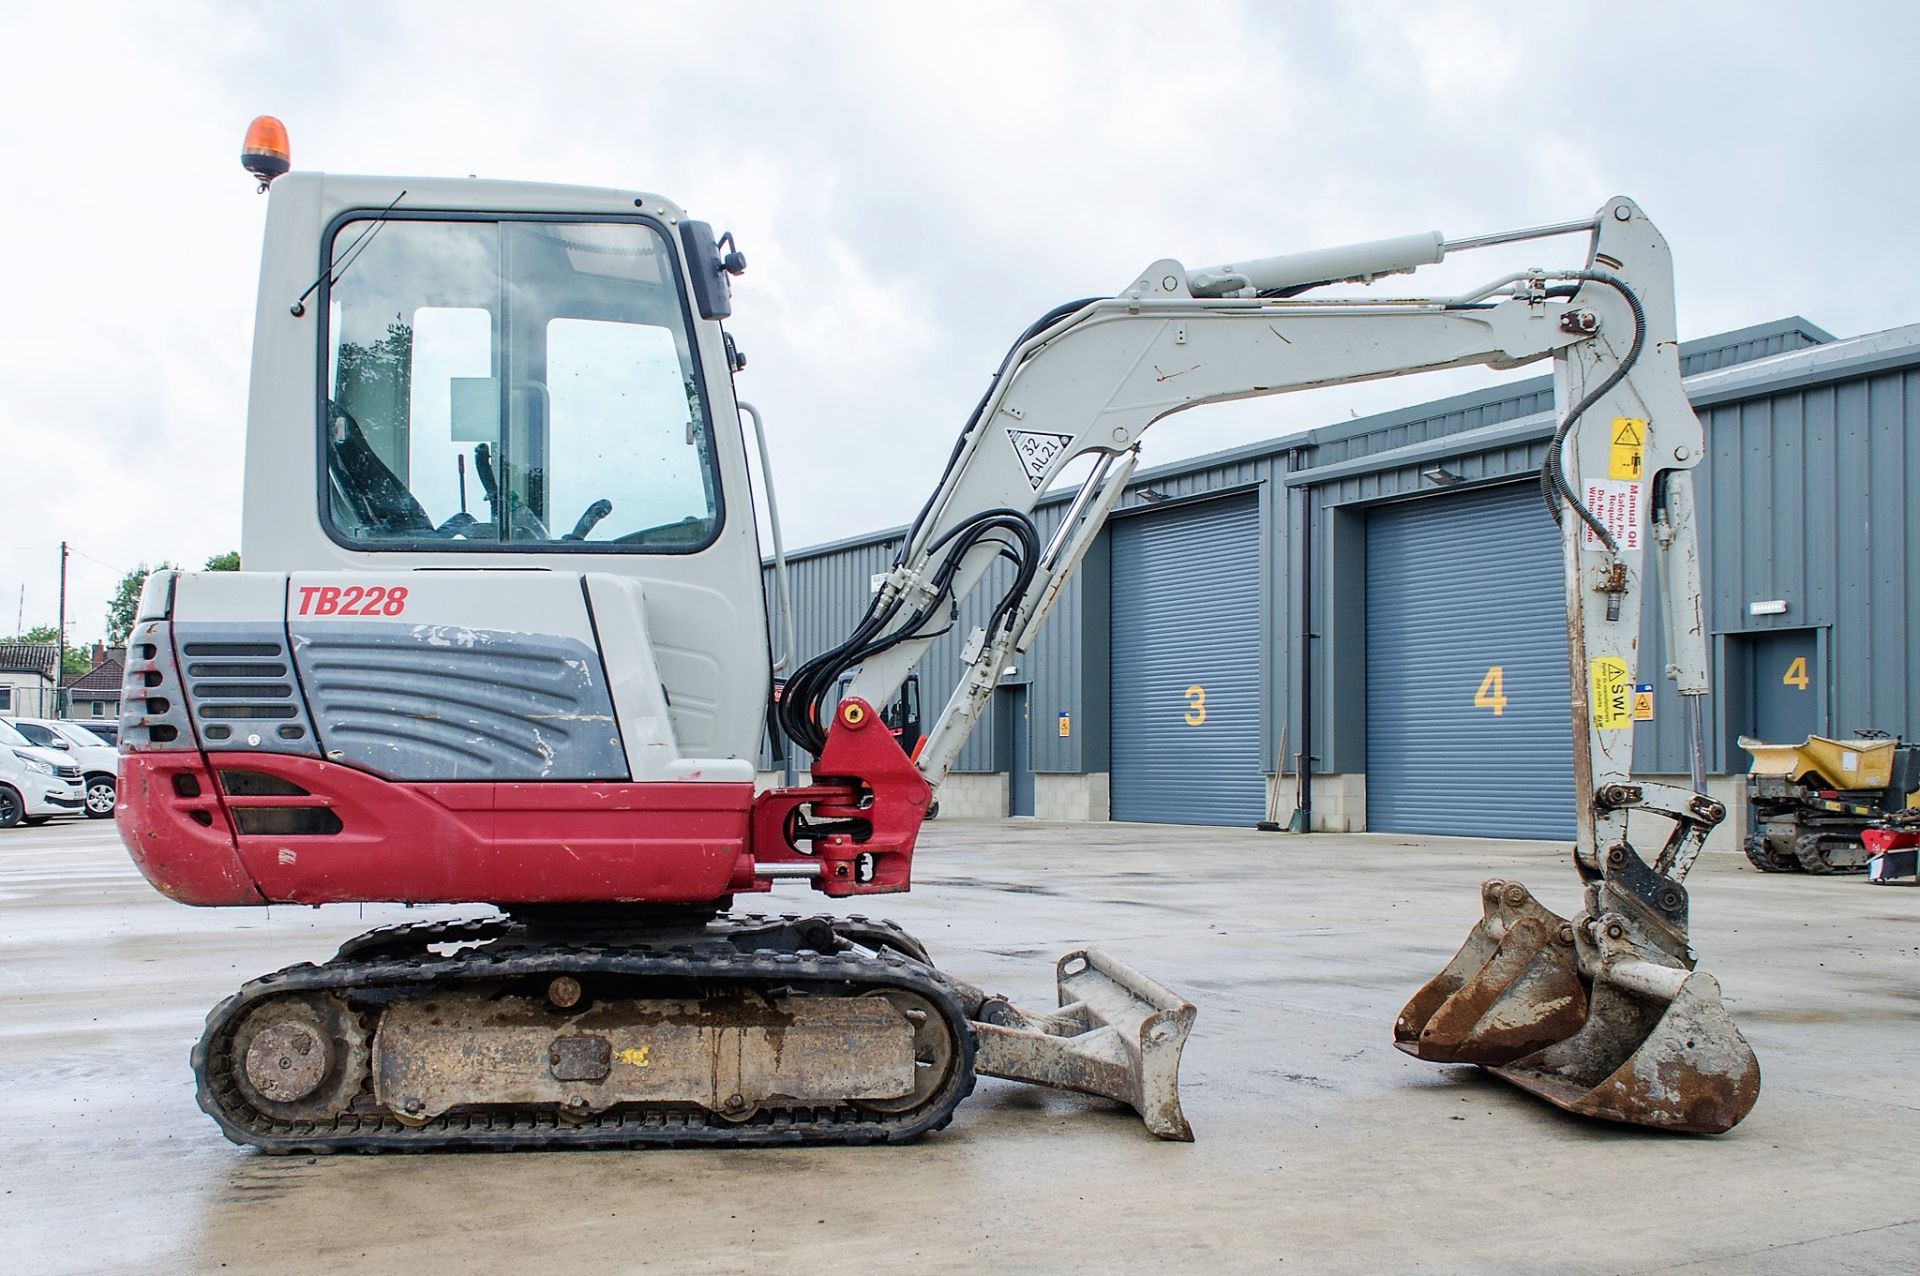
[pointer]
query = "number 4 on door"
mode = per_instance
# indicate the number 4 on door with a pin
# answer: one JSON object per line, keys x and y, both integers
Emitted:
{"x": 1492, "y": 694}
{"x": 1796, "y": 675}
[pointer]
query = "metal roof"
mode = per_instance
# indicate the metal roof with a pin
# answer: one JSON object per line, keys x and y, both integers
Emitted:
{"x": 1790, "y": 370}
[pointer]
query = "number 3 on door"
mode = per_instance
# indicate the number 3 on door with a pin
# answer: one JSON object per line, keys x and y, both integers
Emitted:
{"x": 1196, "y": 705}
{"x": 1492, "y": 694}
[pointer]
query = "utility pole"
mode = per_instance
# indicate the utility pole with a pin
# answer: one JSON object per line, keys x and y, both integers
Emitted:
{"x": 60, "y": 661}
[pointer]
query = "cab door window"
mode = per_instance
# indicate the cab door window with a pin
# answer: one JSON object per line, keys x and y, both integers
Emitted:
{"x": 513, "y": 385}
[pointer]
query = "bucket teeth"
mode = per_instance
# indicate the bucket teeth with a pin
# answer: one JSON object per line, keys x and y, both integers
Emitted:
{"x": 1512, "y": 989}
{"x": 1641, "y": 1039}
{"x": 1658, "y": 1049}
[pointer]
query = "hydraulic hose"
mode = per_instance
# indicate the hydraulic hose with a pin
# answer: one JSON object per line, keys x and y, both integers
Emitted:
{"x": 809, "y": 684}
{"x": 1554, "y": 488}
{"x": 807, "y": 689}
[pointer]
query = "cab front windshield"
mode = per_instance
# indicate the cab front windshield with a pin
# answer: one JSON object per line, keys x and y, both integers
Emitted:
{"x": 530, "y": 382}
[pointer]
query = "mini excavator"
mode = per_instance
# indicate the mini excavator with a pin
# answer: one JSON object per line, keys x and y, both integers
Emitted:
{"x": 501, "y": 638}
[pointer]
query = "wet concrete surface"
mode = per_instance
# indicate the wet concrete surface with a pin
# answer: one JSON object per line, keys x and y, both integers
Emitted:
{"x": 1320, "y": 1148}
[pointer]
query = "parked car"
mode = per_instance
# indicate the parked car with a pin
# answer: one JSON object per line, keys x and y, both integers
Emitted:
{"x": 99, "y": 761}
{"x": 106, "y": 728}
{"x": 35, "y": 784}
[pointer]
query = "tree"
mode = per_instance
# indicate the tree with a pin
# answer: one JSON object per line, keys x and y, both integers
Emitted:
{"x": 125, "y": 604}
{"x": 227, "y": 562}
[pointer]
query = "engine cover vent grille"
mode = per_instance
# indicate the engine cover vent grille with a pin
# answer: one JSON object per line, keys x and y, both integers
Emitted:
{"x": 241, "y": 687}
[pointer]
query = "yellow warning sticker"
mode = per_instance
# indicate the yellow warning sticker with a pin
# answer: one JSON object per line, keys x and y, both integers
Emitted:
{"x": 1627, "y": 457}
{"x": 1643, "y": 702}
{"x": 1612, "y": 684}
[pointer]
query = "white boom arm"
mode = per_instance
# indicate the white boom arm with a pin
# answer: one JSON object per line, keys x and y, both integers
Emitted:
{"x": 1093, "y": 380}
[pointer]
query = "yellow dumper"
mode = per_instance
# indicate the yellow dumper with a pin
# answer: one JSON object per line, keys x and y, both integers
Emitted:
{"x": 1811, "y": 800}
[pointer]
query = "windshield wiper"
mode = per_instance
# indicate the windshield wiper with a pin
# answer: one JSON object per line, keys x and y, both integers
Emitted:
{"x": 333, "y": 274}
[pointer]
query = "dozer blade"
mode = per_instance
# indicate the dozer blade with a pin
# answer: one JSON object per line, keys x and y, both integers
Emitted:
{"x": 1513, "y": 988}
{"x": 1117, "y": 1034}
{"x": 1658, "y": 1048}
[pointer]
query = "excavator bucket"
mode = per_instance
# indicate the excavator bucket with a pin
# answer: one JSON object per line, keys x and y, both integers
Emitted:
{"x": 1117, "y": 1034}
{"x": 1644, "y": 1042}
{"x": 1658, "y": 1049}
{"x": 1512, "y": 989}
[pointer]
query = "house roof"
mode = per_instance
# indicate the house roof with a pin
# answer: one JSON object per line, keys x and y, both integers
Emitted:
{"x": 29, "y": 657}
{"x": 103, "y": 677}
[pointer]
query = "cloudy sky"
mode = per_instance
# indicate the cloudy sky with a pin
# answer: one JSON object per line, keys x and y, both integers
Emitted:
{"x": 912, "y": 183}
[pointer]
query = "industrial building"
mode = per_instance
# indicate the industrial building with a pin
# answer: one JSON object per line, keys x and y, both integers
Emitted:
{"x": 1382, "y": 598}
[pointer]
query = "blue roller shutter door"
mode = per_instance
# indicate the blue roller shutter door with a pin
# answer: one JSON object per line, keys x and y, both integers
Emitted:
{"x": 1468, "y": 726}
{"x": 1186, "y": 665}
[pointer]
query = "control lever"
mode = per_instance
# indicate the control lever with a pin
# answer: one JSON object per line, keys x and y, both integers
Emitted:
{"x": 590, "y": 519}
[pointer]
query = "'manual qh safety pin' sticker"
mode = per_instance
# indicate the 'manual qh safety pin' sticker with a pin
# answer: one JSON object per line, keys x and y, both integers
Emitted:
{"x": 1616, "y": 503}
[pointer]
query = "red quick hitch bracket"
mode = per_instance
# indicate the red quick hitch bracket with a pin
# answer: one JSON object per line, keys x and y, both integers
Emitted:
{"x": 867, "y": 792}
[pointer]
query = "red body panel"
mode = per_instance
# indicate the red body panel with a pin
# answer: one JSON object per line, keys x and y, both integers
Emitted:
{"x": 177, "y": 831}
{"x": 519, "y": 843}
{"x": 1894, "y": 839}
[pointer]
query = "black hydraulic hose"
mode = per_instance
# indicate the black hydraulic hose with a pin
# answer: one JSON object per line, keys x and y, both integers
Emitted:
{"x": 1554, "y": 488}
{"x": 1033, "y": 330}
{"x": 807, "y": 687}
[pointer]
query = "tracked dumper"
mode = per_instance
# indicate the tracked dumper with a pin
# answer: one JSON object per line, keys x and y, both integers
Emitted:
{"x": 500, "y": 639}
{"x": 1812, "y": 801}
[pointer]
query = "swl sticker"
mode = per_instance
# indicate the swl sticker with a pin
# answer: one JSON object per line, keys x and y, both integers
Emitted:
{"x": 1612, "y": 685}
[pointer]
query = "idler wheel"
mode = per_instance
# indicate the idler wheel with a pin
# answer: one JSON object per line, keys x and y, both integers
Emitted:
{"x": 300, "y": 1058}
{"x": 288, "y": 1061}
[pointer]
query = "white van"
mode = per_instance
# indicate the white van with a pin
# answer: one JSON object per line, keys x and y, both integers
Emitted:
{"x": 35, "y": 784}
{"x": 99, "y": 760}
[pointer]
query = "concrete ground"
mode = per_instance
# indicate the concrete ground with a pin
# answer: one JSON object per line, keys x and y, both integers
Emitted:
{"x": 1320, "y": 1148}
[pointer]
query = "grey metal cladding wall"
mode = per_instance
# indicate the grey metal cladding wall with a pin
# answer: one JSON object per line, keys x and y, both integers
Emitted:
{"x": 1459, "y": 586}
{"x": 1520, "y": 399}
{"x": 1186, "y": 665}
{"x": 1813, "y": 496}
{"x": 1058, "y": 670}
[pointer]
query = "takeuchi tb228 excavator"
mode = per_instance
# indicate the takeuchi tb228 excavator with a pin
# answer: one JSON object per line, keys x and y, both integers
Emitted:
{"x": 501, "y": 639}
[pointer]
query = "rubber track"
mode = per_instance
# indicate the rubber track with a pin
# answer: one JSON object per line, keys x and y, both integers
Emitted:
{"x": 221, "y": 1098}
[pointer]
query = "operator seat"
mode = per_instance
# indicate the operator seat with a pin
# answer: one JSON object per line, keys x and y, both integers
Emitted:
{"x": 380, "y": 501}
